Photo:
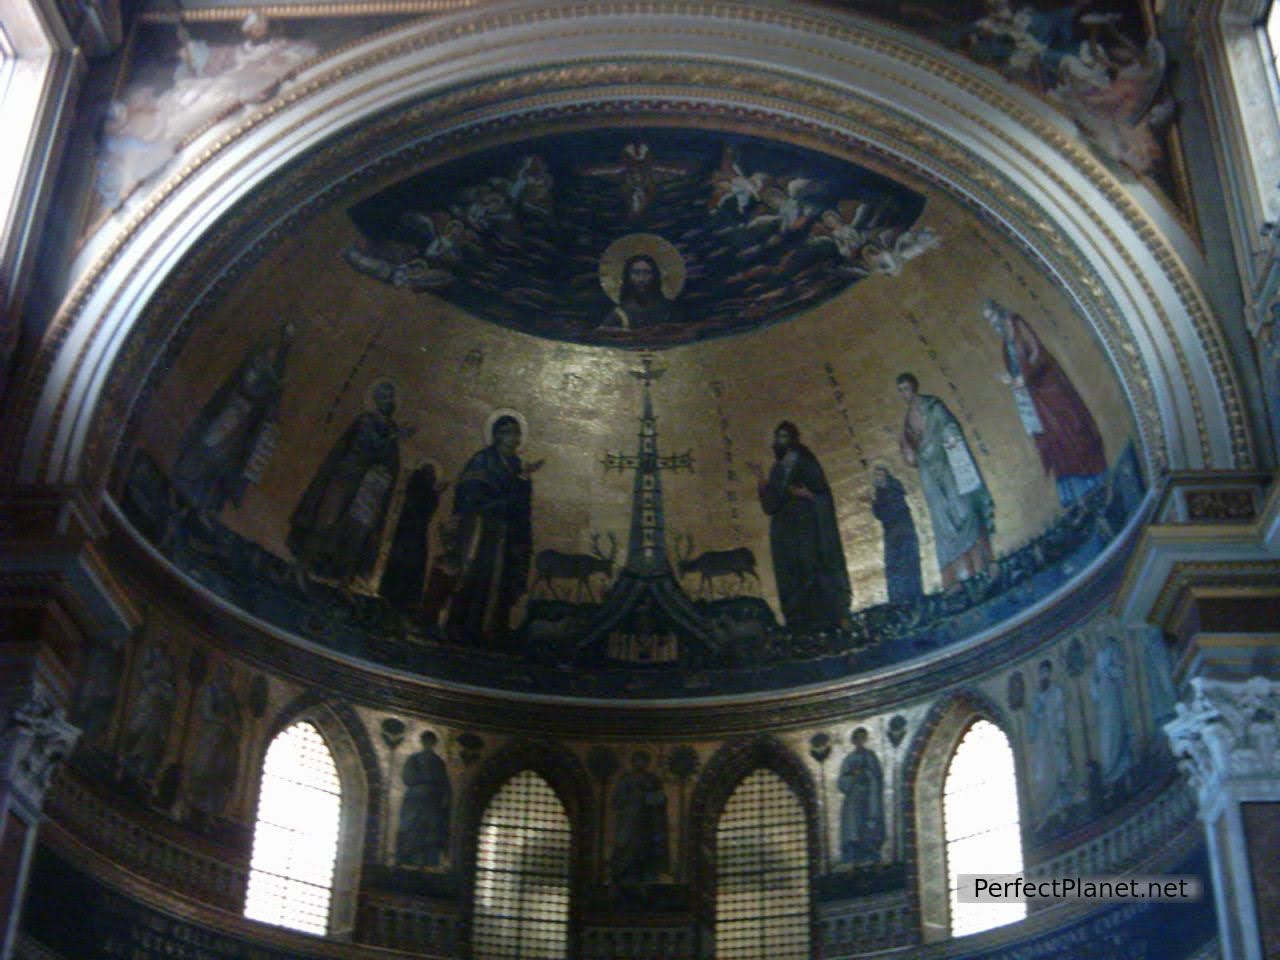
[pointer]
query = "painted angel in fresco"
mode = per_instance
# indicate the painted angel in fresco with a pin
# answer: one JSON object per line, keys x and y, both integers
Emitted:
{"x": 1027, "y": 43}
{"x": 440, "y": 242}
{"x": 1052, "y": 412}
{"x": 960, "y": 506}
{"x": 148, "y": 125}
{"x": 335, "y": 531}
{"x": 531, "y": 188}
{"x": 1114, "y": 93}
{"x": 804, "y": 535}
{"x": 861, "y": 781}
{"x": 232, "y": 433}
{"x": 490, "y": 536}
{"x": 732, "y": 188}
{"x": 638, "y": 175}
{"x": 865, "y": 245}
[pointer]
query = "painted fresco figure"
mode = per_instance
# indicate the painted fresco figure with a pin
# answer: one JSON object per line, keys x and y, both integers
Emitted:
{"x": 804, "y": 537}
{"x": 960, "y": 506}
{"x": 423, "y": 833}
{"x": 1107, "y": 682}
{"x": 641, "y": 302}
{"x": 1052, "y": 412}
{"x": 640, "y": 848}
{"x": 1053, "y": 788}
{"x": 404, "y": 575}
{"x": 218, "y": 447}
{"x": 1162, "y": 696}
{"x": 215, "y": 759}
{"x": 491, "y": 536}
{"x": 861, "y": 781}
{"x": 146, "y": 726}
{"x": 335, "y": 530}
{"x": 901, "y": 545}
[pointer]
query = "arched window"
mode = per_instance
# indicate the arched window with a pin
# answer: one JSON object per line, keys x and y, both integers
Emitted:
{"x": 522, "y": 874}
{"x": 762, "y": 873}
{"x": 980, "y": 817}
{"x": 295, "y": 841}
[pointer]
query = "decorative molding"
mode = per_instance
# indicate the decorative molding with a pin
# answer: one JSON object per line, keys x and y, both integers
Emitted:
{"x": 1229, "y": 731}
{"x": 33, "y": 744}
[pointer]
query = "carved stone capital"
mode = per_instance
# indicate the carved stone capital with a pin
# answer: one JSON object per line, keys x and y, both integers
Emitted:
{"x": 34, "y": 741}
{"x": 1230, "y": 731}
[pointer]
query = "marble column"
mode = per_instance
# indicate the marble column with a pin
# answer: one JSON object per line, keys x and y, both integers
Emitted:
{"x": 1227, "y": 740}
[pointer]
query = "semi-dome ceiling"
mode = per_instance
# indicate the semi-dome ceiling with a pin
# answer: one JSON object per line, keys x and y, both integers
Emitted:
{"x": 332, "y": 447}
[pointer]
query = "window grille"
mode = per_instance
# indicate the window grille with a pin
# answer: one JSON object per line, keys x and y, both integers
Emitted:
{"x": 522, "y": 874}
{"x": 762, "y": 873}
{"x": 980, "y": 816}
{"x": 295, "y": 840}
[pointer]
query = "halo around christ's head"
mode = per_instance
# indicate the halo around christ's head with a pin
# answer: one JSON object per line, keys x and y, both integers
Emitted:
{"x": 664, "y": 254}
{"x": 497, "y": 415}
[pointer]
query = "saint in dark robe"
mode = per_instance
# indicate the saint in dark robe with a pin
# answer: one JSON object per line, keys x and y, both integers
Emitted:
{"x": 404, "y": 575}
{"x": 335, "y": 530}
{"x": 424, "y": 813}
{"x": 640, "y": 849}
{"x": 862, "y": 813}
{"x": 146, "y": 726}
{"x": 901, "y": 545}
{"x": 804, "y": 537}
{"x": 219, "y": 446}
{"x": 641, "y": 302}
{"x": 1052, "y": 412}
{"x": 491, "y": 536}
{"x": 215, "y": 760}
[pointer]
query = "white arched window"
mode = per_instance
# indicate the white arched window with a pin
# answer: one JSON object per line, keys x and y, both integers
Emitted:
{"x": 762, "y": 873}
{"x": 295, "y": 841}
{"x": 522, "y": 874}
{"x": 980, "y": 817}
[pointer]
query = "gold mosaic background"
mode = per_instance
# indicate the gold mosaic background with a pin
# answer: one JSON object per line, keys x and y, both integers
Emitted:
{"x": 830, "y": 370}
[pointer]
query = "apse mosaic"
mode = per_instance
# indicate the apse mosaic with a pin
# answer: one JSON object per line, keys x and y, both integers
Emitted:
{"x": 647, "y": 431}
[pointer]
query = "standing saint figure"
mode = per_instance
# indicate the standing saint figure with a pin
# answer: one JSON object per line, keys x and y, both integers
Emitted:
{"x": 640, "y": 851}
{"x": 1162, "y": 697}
{"x": 335, "y": 530}
{"x": 215, "y": 759}
{"x": 491, "y": 536}
{"x": 146, "y": 726}
{"x": 1107, "y": 683}
{"x": 1049, "y": 407}
{"x": 804, "y": 537}
{"x": 424, "y": 812}
{"x": 217, "y": 449}
{"x": 901, "y": 545}
{"x": 641, "y": 302}
{"x": 404, "y": 575}
{"x": 1053, "y": 787}
{"x": 960, "y": 507}
{"x": 862, "y": 813}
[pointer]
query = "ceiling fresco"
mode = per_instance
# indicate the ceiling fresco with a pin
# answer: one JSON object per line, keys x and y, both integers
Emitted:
{"x": 727, "y": 233}
{"x": 491, "y": 478}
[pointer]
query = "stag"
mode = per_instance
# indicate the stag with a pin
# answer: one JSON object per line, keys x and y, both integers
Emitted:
{"x": 552, "y": 565}
{"x": 714, "y": 564}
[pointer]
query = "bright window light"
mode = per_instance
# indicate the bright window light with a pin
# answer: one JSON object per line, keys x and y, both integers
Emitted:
{"x": 762, "y": 873}
{"x": 1272, "y": 28}
{"x": 295, "y": 841}
{"x": 980, "y": 812}
{"x": 522, "y": 874}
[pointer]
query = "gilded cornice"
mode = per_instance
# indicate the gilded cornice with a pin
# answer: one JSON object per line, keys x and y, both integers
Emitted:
{"x": 801, "y": 32}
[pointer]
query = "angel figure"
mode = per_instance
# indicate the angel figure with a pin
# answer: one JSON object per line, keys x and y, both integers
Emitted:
{"x": 730, "y": 185}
